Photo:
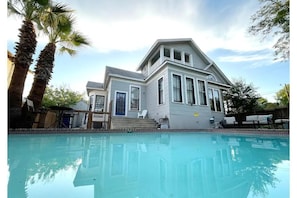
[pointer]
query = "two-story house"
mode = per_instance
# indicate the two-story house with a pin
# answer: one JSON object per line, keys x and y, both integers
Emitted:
{"x": 175, "y": 80}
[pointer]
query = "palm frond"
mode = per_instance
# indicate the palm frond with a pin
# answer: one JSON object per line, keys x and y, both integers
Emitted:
{"x": 70, "y": 51}
{"x": 78, "y": 39}
{"x": 61, "y": 9}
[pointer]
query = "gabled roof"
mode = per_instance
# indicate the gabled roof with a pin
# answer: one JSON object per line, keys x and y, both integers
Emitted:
{"x": 94, "y": 86}
{"x": 159, "y": 42}
{"x": 112, "y": 71}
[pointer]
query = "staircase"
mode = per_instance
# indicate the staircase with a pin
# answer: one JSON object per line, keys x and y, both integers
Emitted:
{"x": 124, "y": 123}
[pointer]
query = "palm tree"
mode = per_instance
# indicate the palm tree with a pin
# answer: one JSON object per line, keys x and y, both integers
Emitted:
{"x": 59, "y": 29}
{"x": 30, "y": 11}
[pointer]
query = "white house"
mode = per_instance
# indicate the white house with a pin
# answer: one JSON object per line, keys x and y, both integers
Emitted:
{"x": 175, "y": 80}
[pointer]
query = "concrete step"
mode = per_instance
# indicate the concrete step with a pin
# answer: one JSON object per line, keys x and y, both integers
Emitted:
{"x": 132, "y": 123}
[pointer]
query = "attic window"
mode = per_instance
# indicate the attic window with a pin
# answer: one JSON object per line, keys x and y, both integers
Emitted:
{"x": 155, "y": 58}
{"x": 211, "y": 77}
{"x": 187, "y": 58}
{"x": 177, "y": 55}
{"x": 167, "y": 52}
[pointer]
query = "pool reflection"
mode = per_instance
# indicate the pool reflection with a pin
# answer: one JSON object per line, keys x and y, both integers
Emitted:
{"x": 148, "y": 165}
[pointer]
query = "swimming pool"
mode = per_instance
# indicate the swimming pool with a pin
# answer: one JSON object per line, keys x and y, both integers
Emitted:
{"x": 145, "y": 165}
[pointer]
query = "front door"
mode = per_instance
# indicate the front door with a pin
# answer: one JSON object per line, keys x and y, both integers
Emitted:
{"x": 120, "y": 106}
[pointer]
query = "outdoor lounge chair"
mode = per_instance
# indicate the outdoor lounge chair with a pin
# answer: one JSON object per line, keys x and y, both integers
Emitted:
{"x": 142, "y": 114}
{"x": 229, "y": 122}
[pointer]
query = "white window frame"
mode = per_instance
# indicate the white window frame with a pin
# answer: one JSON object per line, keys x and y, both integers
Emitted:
{"x": 181, "y": 55}
{"x": 163, "y": 96}
{"x": 130, "y": 98}
{"x": 115, "y": 99}
{"x": 194, "y": 89}
{"x": 104, "y": 99}
{"x": 220, "y": 100}
{"x": 214, "y": 102}
{"x": 181, "y": 87}
{"x": 198, "y": 93}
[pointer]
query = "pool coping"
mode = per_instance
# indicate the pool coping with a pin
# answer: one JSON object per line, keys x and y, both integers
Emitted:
{"x": 259, "y": 131}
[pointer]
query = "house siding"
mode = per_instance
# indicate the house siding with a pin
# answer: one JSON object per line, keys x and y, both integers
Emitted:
{"x": 157, "y": 111}
{"x": 196, "y": 59}
{"x": 181, "y": 115}
{"x": 119, "y": 85}
{"x": 187, "y": 116}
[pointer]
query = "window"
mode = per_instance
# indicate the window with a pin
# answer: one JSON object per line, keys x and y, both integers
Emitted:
{"x": 160, "y": 91}
{"x": 99, "y": 103}
{"x": 210, "y": 98}
{"x": 155, "y": 58}
{"x": 134, "y": 100}
{"x": 177, "y": 91}
{"x": 187, "y": 58}
{"x": 211, "y": 77}
{"x": 216, "y": 95}
{"x": 214, "y": 99}
{"x": 202, "y": 93}
{"x": 177, "y": 55}
{"x": 190, "y": 91}
{"x": 91, "y": 101}
{"x": 166, "y": 52}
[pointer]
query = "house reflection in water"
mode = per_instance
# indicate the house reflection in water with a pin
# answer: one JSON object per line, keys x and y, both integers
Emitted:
{"x": 174, "y": 164}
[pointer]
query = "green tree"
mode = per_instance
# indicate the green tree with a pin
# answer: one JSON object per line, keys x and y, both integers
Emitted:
{"x": 29, "y": 11}
{"x": 61, "y": 96}
{"x": 283, "y": 95}
{"x": 241, "y": 98}
{"x": 273, "y": 19}
{"x": 59, "y": 29}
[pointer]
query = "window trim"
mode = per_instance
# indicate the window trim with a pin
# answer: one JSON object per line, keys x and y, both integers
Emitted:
{"x": 205, "y": 92}
{"x": 130, "y": 98}
{"x": 194, "y": 90}
{"x": 180, "y": 54}
{"x": 157, "y": 54}
{"x": 158, "y": 93}
{"x": 166, "y": 48}
{"x": 181, "y": 88}
{"x": 97, "y": 95}
{"x": 214, "y": 101}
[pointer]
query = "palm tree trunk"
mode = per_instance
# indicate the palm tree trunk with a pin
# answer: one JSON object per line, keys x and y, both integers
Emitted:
{"x": 25, "y": 49}
{"x": 43, "y": 73}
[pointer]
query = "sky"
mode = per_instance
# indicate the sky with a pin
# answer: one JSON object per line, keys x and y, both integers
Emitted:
{"x": 122, "y": 32}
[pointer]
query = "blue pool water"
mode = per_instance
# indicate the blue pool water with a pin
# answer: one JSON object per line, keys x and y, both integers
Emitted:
{"x": 147, "y": 165}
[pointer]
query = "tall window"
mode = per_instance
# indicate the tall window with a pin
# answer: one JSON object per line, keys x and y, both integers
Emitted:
{"x": 91, "y": 101}
{"x": 177, "y": 91}
{"x": 160, "y": 91}
{"x": 99, "y": 103}
{"x": 190, "y": 91}
{"x": 217, "y": 100}
{"x": 214, "y": 99}
{"x": 135, "y": 96}
{"x": 202, "y": 92}
{"x": 211, "y": 100}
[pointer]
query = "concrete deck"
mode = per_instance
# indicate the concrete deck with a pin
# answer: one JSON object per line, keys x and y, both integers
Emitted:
{"x": 260, "y": 131}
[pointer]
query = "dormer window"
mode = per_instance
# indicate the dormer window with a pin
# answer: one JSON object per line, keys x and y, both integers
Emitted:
{"x": 211, "y": 77}
{"x": 166, "y": 52}
{"x": 187, "y": 58}
{"x": 155, "y": 58}
{"x": 177, "y": 55}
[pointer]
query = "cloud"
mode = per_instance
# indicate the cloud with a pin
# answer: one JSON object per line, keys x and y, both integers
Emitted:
{"x": 133, "y": 25}
{"x": 245, "y": 58}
